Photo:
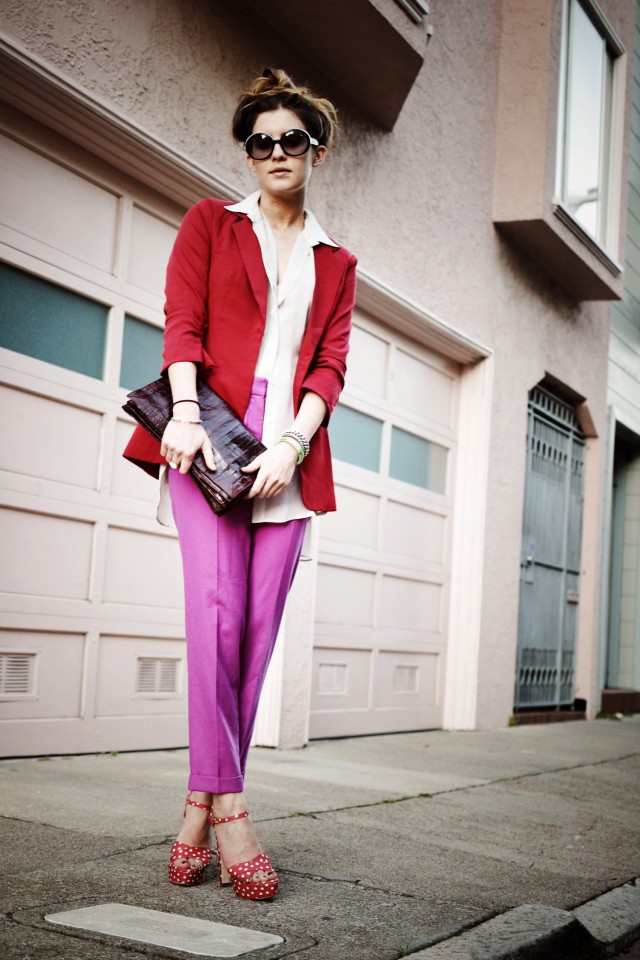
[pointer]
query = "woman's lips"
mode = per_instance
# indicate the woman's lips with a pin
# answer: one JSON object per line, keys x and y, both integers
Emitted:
{"x": 280, "y": 170}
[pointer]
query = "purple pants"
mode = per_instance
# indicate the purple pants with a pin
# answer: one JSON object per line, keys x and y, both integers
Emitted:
{"x": 236, "y": 578}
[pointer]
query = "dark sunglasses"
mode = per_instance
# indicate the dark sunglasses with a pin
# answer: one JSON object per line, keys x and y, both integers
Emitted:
{"x": 294, "y": 143}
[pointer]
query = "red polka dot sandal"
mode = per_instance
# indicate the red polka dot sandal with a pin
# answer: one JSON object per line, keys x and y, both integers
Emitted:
{"x": 241, "y": 875}
{"x": 180, "y": 870}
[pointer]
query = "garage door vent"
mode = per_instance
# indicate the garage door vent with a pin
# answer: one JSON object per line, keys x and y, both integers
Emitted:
{"x": 332, "y": 678}
{"x": 405, "y": 679}
{"x": 157, "y": 675}
{"x": 17, "y": 674}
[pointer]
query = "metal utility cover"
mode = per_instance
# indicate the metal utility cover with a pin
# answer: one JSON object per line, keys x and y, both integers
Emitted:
{"x": 190, "y": 934}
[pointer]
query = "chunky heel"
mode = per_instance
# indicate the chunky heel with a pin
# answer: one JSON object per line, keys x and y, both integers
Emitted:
{"x": 184, "y": 874}
{"x": 241, "y": 874}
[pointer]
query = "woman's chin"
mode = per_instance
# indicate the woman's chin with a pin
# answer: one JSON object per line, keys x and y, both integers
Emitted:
{"x": 283, "y": 188}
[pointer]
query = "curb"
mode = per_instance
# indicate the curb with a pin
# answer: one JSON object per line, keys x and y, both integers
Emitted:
{"x": 593, "y": 931}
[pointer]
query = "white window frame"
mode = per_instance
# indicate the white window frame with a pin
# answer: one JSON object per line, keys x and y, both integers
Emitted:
{"x": 605, "y": 244}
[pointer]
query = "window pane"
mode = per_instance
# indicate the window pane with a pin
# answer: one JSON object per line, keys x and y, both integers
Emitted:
{"x": 50, "y": 323}
{"x": 356, "y": 438}
{"x": 141, "y": 354}
{"x": 418, "y": 461}
{"x": 587, "y": 113}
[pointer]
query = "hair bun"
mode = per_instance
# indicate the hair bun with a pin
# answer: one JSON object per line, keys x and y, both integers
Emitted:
{"x": 275, "y": 88}
{"x": 275, "y": 80}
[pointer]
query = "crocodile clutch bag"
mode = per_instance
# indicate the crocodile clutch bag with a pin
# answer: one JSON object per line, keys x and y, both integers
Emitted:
{"x": 233, "y": 445}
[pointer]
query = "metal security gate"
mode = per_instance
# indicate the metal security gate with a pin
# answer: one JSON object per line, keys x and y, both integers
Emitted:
{"x": 550, "y": 563}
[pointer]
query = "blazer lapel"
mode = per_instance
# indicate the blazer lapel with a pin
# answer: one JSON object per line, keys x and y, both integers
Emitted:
{"x": 252, "y": 256}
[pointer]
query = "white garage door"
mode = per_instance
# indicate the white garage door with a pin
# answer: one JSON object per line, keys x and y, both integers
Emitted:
{"x": 91, "y": 647}
{"x": 383, "y": 580}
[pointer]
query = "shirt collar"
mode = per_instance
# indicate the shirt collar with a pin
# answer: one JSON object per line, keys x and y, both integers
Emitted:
{"x": 313, "y": 232}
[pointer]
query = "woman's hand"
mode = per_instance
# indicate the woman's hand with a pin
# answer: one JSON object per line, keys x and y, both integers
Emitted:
{"x": 181, "y": 442}
{"x": 274, "y": 469}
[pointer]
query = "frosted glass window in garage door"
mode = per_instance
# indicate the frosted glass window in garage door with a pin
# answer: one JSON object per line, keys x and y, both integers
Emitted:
{"x": 90, "y": 594}
{"x": 141, "y": 353}
{"x": 383, "y": 579}
{"x": 51, "y": 323}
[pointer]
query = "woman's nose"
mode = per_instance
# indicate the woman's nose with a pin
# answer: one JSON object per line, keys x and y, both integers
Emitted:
{"x": 278, "y": 152}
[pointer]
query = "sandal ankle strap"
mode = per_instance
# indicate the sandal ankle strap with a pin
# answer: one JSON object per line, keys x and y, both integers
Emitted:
{"x": 235, "y": 816}
{"x": 194, "y": 803}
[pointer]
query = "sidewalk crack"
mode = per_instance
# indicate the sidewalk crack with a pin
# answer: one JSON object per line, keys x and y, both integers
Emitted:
{"x": 317, "y": 814}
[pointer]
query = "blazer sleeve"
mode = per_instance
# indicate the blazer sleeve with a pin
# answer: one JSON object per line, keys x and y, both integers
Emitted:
{"x": 186, "y": 288}
{"x": 329, "y": 365}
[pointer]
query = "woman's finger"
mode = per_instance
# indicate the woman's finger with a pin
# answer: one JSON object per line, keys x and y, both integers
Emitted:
{"x": 207, "y": 453}
{"x": 254, "y": 465}
{"x": 254, "y": 491}
{"x": 185, "y": 463}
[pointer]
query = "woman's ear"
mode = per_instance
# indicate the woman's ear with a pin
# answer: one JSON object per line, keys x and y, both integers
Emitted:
{"x": 321, "y": 153}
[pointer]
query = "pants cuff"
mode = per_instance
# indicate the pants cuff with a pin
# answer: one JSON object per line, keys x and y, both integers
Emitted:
{"x": 206, "y": 784}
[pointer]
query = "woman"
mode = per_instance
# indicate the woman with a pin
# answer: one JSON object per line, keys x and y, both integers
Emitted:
{"x": 259, "y": 300}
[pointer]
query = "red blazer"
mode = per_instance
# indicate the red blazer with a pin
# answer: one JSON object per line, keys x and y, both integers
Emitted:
{"x": 216, "y": 307}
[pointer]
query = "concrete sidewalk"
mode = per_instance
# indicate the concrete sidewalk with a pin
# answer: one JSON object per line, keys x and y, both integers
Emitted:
{"x": 386, "y": 846}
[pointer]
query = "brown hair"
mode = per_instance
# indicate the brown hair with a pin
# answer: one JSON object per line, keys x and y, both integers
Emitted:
{"x": 276, "y": 89}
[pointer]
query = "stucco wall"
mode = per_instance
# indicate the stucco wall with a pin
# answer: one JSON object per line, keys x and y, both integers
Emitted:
{"x": 414, "y": 204}
{"x": 624, "y": 397}
{"x": 624, "y": 371}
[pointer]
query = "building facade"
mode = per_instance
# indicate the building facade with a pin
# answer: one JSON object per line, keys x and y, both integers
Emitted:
{"x": 620, "y": 633}
{"x": 460, "y": 578}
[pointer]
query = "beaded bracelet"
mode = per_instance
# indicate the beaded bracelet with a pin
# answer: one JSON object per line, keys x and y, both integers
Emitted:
{"x": 296, "y": 446}
{"x": 178, "y": 420}
{"x": 300, "y": 438}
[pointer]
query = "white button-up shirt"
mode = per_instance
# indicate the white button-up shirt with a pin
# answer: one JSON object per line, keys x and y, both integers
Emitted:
{"x": 288, "y": 305}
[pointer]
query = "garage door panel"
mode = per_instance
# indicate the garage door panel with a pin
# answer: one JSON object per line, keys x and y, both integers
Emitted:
{"x": 141, "y": 676}
{"x": 367, "y": 363}
{"x": 341, "y": 679}
{"x": 49, "y": 556}
{"x": 38, "y": 430}
{"x": 414, "y": 534}
{"x": 355, "y": 523}
{"x": 420, "y": 388}
{"x": 51, "y": 204}
{"x": 151, "y": 242}
{"x": 407, "y": 680}
{"x": 345, "y": 596}
{"x": 411, "y": 604}
{"x": 28, "y": 659}
{"x": 127, "y": 480}
{"x": 142, "y": 569}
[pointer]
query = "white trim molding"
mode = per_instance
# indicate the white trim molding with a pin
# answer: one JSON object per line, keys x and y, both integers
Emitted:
{"x": 467, "y": 560}
{"x": 408, "y": 317}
